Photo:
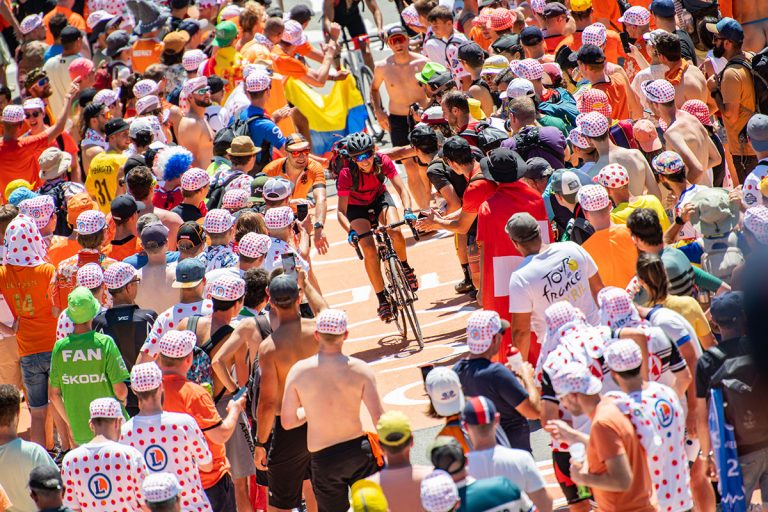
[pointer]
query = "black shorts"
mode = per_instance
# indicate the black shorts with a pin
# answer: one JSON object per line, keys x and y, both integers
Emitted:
{"x": 222, "y": 495}
{"x": 336, "y": 468}
{"x": 561, "y": 462}
{"x": 287, "y": 465}
{"x": 360, "y": 211}
{"x": 351, "y": 19}
{"x": 399, "y": 128}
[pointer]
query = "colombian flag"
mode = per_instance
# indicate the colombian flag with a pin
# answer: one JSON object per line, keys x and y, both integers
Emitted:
{"x": 339, "y": 113}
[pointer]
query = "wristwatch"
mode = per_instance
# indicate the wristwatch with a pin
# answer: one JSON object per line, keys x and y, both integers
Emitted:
{"x": 318, "y": 225}
{"x": 679, "y": 220}
{"x": 259, "y": 444}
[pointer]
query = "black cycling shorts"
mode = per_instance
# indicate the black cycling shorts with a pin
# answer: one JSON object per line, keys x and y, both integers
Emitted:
{"x": 336, "y": 468}
{"x": 399, "y": 129}
{"x": 360, "y": 211}
{"x": 287, "y": 465}
{"x": 350, "y": 19}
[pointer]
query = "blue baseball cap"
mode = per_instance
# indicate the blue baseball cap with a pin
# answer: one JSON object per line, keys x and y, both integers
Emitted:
{"x": 663, "y": 8}
{"x": 727, "y": 28}
{"x": 479, "y": 410}
{"x": 189, "y": 273}
{"x": 727, "y": 308}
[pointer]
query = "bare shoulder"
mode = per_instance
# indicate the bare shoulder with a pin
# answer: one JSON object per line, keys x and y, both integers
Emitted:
{"x": 360, "y": 366}
{"x": 417, "y": 58}
{"x": 267, "y": 348}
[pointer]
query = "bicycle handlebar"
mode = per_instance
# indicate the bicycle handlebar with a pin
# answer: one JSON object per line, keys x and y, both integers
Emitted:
{"x": 382, "y": 229}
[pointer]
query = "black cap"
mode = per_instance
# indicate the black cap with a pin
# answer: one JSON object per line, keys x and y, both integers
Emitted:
{"x": 563, "y": 57}
{"x": 216, "y": 83}
{"x": 283, "y": 290}
{"x": 301, "y": 13}
{"x": 396, "y": 30}
{"x": 70, "y": 34}
{"x": 554, "y": 9}
{"x": 727, "y": 308}
{"x": 588, "y": 54}
{"x": 275, "y": 12}
{"x": 506, "y": 43}
{"x": 423, "y": 136}
{"x": 223, "y": 141}
{"x": 189, "y": 26}
{"x": 531, "y": 36}
{"x": 135, "y": 160}
{"x": 472, "y": 53}
{"x": 491, "y": 138}
{"x": 86, "y": 96}
{"x": 45, "y": 478}
{"x": 538, "y": 169}
{"x": 124, "y": 206}
{"x": 192, "y": 232}
{"x": 114, "y": 126}
{"x": 117, "y": 41}
{"x": 503, "y": 165}
{"x": 455, "y": 145}
{"x": 439, "y": 80}
{"x": 446, "y": 453}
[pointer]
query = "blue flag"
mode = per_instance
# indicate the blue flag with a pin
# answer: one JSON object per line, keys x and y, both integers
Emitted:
{"x": 730, "y": 483}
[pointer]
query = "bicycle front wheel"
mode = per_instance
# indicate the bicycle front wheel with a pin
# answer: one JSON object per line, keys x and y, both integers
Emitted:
{"x": 406, "y": 298}
{"x": 393, "y": 297}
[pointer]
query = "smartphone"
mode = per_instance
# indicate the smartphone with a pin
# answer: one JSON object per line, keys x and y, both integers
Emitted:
{"x": 425, "y": 371}
{"x": 625, "y": 42}
{"x": 240, "y": 392}
{"x": 289, "y": 265}
{"x": 302, "y": 210}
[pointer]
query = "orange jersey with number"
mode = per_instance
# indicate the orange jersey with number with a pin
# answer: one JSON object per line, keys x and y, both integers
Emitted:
{"x": 26, "y": 291}
{"x": 101, "y": 182}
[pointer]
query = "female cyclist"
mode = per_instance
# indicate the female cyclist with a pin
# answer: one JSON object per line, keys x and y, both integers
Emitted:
{"x": 360, "y": 187}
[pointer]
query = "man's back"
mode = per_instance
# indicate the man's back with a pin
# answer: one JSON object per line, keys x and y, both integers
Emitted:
{"x": 517, "y": 466}
{"x": 402, "y": 486}
{"x": 490, "y": 494}
{"x": 128, "y": 325}
{"x": 291, "y": 342}
{"x": 17, "y": 459}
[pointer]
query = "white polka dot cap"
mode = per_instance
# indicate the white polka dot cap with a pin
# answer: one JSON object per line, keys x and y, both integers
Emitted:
{"x": 235, "y": 199}
{"x": 242, "y": 182}
{"x": 593, "y": 198}
{"x": 33, "y": 104}
{"x": 668, "y": 162}
{"x": 331, "y": 321}
{"x": 623, "y": 355}
{"x": 13, "y": 114}
{"x": 439, "y": 492}
{"x": 595, "y": 34}
{"x": 39, "y": 209}
{"x": 227, "y": 287}
{"x": 192, "y": 59}
{"x": 258, "y": 80}
{"x": 106, "y": 408}
{"x": 30, "y": 23}
{"x": 658, "y": 91}
{"x": 254, "y": 245}
{"x": 578, "y": 140}
{"x": 250, "y": 68}
{"x": 612, "y": 176}
{"x": 594, "y": 100}
{"x": 177, "y": 344}
{"x": 559, "y": 314}
{"x": 90, "y": 275}
{"x": 294, "y": 33}
{"x": 106, "y": 97}
{"x": 482, "y": 326}
{"x": 96, "y": 17}
{"x": 194, "y": 179}
{"x": 229, "y": 12}
{"x": 119, "y": 274}
{"x": 636, "y": 15}
{"x": 146, "y": 377}
{"x": 160, "y": 487}
{"x": 218, "y": 220}
{"x": 530, "y": 69}
{"x": 756, "y": 222}
{"x": 592, "y": 124}
{"x": 616, "y": 307}
{"x": 538, "y": 6}
{"x": 90, "y": 222}
{"x": 147, "y": 103}
{"x": 411, "y": 17}
{"x": 575, "y": 377}
{"x": 144, "y": 88}
{"x": 278, "y": 218}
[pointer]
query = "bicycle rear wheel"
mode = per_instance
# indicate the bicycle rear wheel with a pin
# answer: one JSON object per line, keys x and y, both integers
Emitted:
{"x": 390, "y": 271}
{"x": 406, "y": 298}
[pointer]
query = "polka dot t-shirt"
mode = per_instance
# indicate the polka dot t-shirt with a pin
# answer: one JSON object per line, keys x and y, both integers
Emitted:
{"x": 173, "y": 443}
{"x": 169, "y": 320}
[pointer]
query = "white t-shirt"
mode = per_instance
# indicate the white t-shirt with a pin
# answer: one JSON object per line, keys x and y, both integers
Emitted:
{"x": 751, "y": 190}
{"x": 559, "y": 272}
{"x": 688, "y": 232}
{"x": 57, "y": 69}
{"x": 274, "y": 259}
{"x": 173, "y": 443}
{"x": 169, "y": 320}
{"x": 517, "y": 466}
{"x": 669, "y": 468}
{"x": 676, "y": 327}
{"x": 103, "y": 477}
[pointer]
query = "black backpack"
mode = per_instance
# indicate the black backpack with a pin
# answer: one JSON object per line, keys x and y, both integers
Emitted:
{"x": 578, "y": 230}
{"x": 217, "y": 190}
{"x": 744, "y": 390}
{"x": 241, "y": 127}
{"x": 758, "y": 68}
{"x": 254, "y": 379}
{"x": 201, "y": 371}
{"x": 60, "y": 202}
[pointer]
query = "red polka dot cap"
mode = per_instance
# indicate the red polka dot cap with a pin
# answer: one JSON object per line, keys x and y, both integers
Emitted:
{"x": 192, "y": 59}
{"x": 242, "y": 182}
{"x": 595, "y": 34}
{"x": 592, "y": 124}
{"x": 106, "y": 408}
{"x": 530, "y": 69}
{"x": 658, "y": 91}
{"x": 177, "y": 344}
{"x": 90, "y": 222}
{"x": 411, "y": 17}
{"x": 538, "y": 6}
{"x": 756, "y": 222}
{"x": 31, "y": 22}
{"x": 612, "y": 176}
{"x": 235, "y": 199}
{"x": 667, "y": 163}
{"x": 144, "y": 88}
{"x": 594, "y": 100}
{"x": 636, "y": 15}
{"x": 482, "y": 326}
{"x": 94, "y": 18}
{"x": 194, "y": 179}
{"x": 578, "y": 140}
{"x": 593, "y": 198}
{"x": 33, "y": 104}
{"x": 160, "y": 487}
{"x": 500, "y": 19}
{"x": 39, "y": 209}
{"x": 254, "y": 245}
{"x": 218, "y": 220}
{"x": 23, "y": 243}
{"x": 575, "y": 378}
{"x": 106, "y": 97}
{"x": 331, "y": 321}
{"x": 146, "y": 377}
{"x": 227, "y": 287}
{"x": 699, "y": 110}
{"x": 616, "y": 308}
{"x": 258, "y": 80}
{"x": 438, "y": 492}
{"x": 147, "y": 103}
{"x": 278, "y": 218}
{"x": 623, "y": 355}
{"x": 13, "y": 114}
{"x": 118, "y": 275}
{"x": 90, "y": 275}
{"x": 294, "y": 33}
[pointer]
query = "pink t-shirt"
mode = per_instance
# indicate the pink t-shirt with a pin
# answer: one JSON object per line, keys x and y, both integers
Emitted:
{"x": 369, "y": 186}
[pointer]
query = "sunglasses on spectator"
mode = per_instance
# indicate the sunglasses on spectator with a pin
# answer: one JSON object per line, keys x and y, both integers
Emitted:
{"x": 43, "y": 82}
{"x": 34, "y": 113}
{"x": 299, "y": 152}
{"x": 204, "y": 90}
{"x": 363, "y": 156}
{"x": 397, "y": 39}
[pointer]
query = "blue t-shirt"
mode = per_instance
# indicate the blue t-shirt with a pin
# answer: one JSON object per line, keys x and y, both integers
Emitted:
{"x": 53, "y": 51}
{"x": 497, "y": 383}
{"x": 263, "y": 129}
{"x": 139, "y": 260}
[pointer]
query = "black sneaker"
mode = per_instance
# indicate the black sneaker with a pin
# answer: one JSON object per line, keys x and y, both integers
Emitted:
{"x": 385, "y": 312}
{"x": 464, "y": 286}
{"x": 473, "y": 294}
{"x": 411, "y": 279}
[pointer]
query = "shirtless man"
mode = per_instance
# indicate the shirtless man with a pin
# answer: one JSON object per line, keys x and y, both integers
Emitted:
{"x": 594, "y": 127}
{"x": 291, "y": 341}
{"x": 398, "y": 72}
{"x": 141, "y": 185}
{"x": 685, "y": 134}
{"x": 324, "y": 392}
{"x": 688, "y": 80}
{"x": 194, "y": 132}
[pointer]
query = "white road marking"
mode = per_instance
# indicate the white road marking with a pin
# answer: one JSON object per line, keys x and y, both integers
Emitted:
{"x": 456, "y": 351}
{"x": 429, "y": 280}
{"x": 360, "y": 295}
{"x": 458, "y": 311}
{"x": 439, "y": 236}
{"x": 404, "y": 355}
{"x": 347, "y": 290}
{"x": 397, "y": 396}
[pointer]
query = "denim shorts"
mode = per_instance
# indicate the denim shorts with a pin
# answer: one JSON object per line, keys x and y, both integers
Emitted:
{"x": 35, "y": 370}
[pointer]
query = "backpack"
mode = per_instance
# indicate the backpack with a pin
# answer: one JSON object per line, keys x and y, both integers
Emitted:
{"x": 743, "y": 391}
{"x": 254, "y": 379}
{"x": 201, "y": 371}
{"x": 578, "y": 230}
{"x": 453, "y": 39}
{"x": 721, "y": 255}
{"x": 527, "y": 140}
{"x": 217, "y": 190}
{"x": 758, "y": 68}
{"x": 60, "y": 202}
{"x": 339, "y": 158}
{"x": 241, "y": 127}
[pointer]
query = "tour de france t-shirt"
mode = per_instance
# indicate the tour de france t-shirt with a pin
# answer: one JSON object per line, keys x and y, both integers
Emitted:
{"x": 85, "y": 367}
{"x": 560, "y": 272}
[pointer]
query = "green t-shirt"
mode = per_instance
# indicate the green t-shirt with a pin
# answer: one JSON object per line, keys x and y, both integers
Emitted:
{"x": 554, "y": 122}
{"x": 85, "y": 367}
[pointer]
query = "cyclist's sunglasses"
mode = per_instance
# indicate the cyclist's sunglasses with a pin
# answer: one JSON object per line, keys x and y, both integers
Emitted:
{"x": 397, "y": 39}
{"x": 362, "y": 157}
{"x": 34, "y": 113}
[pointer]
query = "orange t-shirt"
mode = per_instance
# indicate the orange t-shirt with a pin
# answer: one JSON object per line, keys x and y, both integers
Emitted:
{"x": 61, "y": 248}
{"x": 476, "y": 35}
{"x": 120, "y": 251}
{"x": 313, "y": 175}
{"x": 615, "y": 255}
{"x": 26, "y": 291}
{"x": 616, "y": 89}
{"x": 613, "y": 49}
{"x": 253, "y": 51}
{"x": 190, "y": 398}
{"x": 18, "y": 159}
{"x": 73, "y": 19}
{"x": 286, "y": 65}
{"x": 65, "y": 277}
{"x": 612, "y": 434}
{"x": 145, "y": 53}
